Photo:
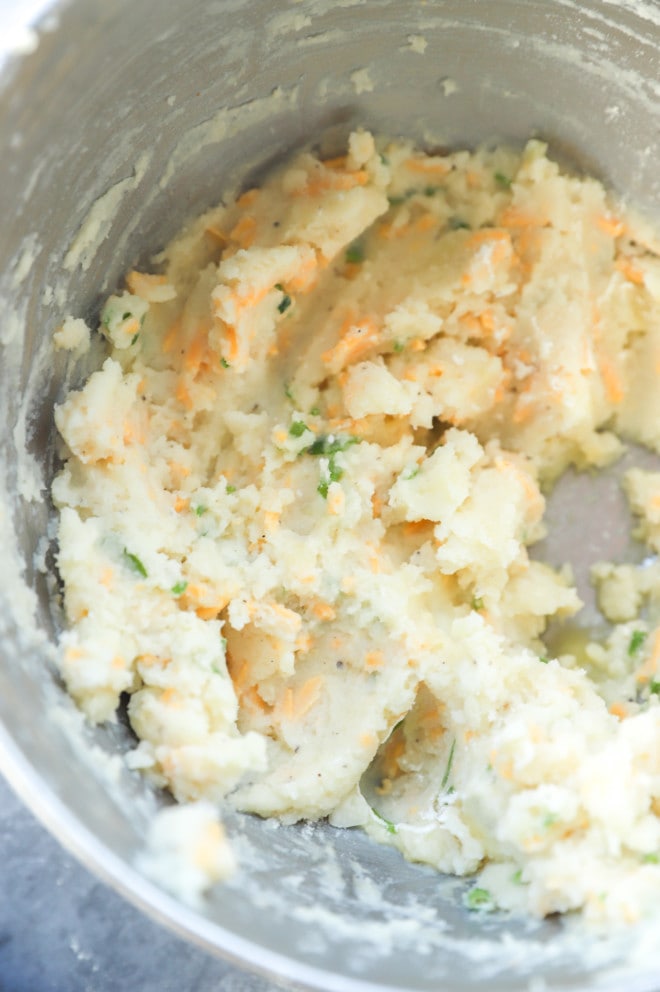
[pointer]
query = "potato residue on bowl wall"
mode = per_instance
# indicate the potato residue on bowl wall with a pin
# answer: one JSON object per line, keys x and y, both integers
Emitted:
{"x": 297, "y": 502}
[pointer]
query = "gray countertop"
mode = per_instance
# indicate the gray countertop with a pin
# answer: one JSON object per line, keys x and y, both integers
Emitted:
{"x": 62, "y": 930}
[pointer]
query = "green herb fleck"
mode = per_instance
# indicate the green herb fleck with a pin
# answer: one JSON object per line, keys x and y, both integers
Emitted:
{"x": 286, "y": 300}
{"x": 503, "y": 180}
{"x": 355, "y": 253}
{"x": 200, "y": 510}
{"x": 134, "y": 338}
{"x": 398, "y": 346}
{"x": 479, "y": 899}
{"x": 225, "y": 364}
{"x": 431, "y": 190}
{"x": 517, "y": 877}
{"x": 135, "y": 563}
{"x": 636, "y": 641}
{"x": 315, "y": 411}
{"x": 179, "y": 588}
{"x": 654, "y": 687}
{"x": 450, "y": 761}
{"x": 391, "y": 827}
{"x": 329, "y": 444}
{"x": 230, "y": 489}
{"x": 477, "y": 603}
{"x": 549, "y": 820}
{"x": 384, "y": 159}
{"x": 288, "y": 393}
{"x": 412, "y": 473}
{"x": 456, "y": 224}
{"x": 651, "y": 859}
{"x": 298, "y": 428}
{"x": 396, "y": 201}
{"x": 335, "y": 473}
{"x": 544, "y": 659}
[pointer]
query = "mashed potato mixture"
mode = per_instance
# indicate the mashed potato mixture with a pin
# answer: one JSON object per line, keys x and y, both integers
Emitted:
{"x": 298, "y": 499}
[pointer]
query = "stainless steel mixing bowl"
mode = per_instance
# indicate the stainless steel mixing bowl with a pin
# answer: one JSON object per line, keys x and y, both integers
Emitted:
{"x": 127, "y": 119}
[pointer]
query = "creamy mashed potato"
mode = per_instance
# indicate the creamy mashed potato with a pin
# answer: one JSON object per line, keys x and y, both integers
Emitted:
{"x": 298, "y": 498}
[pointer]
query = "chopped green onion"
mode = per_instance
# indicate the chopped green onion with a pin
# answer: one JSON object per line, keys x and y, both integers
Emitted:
{"x": 479, "y": 899}
{"x": 503, "y": 180}
{"x": 231, "y": 489}
{"x": 286, "y": 300}
{"x": 544, "y": 659}
{"x": 200, "y": 510}
{"x": 115, "y": 313}
{"x": 391, "y": 827}
{"x": 329, "y": 444}
{"x": 396, "y": 201}
{"x": 335, "y": 473}
{"x": 655, "y": 688}
{"x": 355, "y": 253}
{"x": 135, "y": 563}
{"x": 225, "y": 364}
{"x": 636, "y": 641}
{"x": 298, "y": 428}
{"x": 179, "y": 588}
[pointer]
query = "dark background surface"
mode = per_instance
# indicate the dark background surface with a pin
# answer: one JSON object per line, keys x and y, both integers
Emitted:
{"x": 62, "y": 930}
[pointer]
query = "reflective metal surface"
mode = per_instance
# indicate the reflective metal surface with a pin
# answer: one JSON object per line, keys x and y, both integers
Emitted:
{"x": 127, "y": 119}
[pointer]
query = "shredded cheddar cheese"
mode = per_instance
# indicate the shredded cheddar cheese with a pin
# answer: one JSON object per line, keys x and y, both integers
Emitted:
{"x": 297, "y": 505}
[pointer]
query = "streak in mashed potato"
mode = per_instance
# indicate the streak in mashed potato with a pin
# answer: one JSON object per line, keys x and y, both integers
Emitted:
{"x": 298, "y": 497}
